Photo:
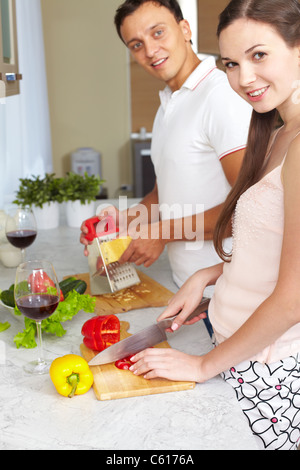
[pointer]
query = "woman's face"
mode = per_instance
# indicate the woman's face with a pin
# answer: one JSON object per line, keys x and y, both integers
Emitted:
{"x": 260, "y": 66}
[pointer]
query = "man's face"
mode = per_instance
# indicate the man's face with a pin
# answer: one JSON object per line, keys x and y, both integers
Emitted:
{"x": 158, "y": 43}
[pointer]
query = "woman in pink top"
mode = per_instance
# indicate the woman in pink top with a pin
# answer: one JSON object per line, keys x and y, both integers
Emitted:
{"x": 255, "y": 310}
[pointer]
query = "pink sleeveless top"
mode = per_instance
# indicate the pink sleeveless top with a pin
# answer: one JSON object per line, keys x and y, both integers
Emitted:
{"x": 252, "y": 274}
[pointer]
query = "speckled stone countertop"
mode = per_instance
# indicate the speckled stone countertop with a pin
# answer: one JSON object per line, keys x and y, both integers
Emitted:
{"x": 34, "y": 416}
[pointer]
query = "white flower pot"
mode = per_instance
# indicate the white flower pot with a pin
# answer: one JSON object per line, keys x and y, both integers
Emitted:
{"x": 76, "y": 212}
{"x": 47, "y": 217}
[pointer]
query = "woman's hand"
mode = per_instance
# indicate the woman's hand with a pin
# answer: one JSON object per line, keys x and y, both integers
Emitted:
{"x": 168, "y": 364}
{"x": 185, "y": 301}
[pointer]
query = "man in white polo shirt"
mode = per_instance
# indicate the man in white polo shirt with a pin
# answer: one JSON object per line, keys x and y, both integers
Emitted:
{"x": 198, "y": 139}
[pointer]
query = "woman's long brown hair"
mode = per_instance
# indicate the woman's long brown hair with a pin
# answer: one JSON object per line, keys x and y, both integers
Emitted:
{"x": 284, "y": 17}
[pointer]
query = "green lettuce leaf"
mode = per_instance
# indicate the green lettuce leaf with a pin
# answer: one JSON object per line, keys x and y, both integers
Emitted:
{"x": 65, "y": 311}
{"x": 26, "y": 338}
{"x": 4, "y": 326}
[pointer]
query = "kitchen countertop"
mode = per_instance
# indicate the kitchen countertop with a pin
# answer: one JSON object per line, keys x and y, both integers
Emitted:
{"x": 34, "y": 416}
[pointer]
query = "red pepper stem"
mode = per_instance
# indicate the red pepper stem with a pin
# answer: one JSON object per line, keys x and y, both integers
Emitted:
{"x": 73, "y": 380}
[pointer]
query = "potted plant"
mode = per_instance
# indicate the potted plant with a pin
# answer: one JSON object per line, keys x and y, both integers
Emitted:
{"x": 43, "y": 195}
{"x": 80, "y": 192}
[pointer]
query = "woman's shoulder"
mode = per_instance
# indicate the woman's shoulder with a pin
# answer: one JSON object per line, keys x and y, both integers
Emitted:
{"x": 291, "y": 163}
{"x": 294, "y": 147}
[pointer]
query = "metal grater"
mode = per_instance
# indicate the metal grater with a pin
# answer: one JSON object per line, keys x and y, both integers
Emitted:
{"x": 118, "y": 275}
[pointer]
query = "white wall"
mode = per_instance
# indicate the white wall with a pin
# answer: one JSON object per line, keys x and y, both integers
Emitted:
{"x": 190, "y": 12}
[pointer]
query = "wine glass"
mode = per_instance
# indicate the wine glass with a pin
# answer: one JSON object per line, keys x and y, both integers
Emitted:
{"x": 37, "y": 296}
{"x": 21, "y": 228}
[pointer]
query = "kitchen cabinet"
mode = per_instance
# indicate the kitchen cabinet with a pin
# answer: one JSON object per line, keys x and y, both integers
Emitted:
{"x": 144, "y": 97}
{"x": 9, "y": 66}
{"x": 208, "y": 17}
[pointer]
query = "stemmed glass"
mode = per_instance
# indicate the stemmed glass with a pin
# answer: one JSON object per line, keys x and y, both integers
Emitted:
{"x": 20, "y": 228}
{"x": 37, "y": 296}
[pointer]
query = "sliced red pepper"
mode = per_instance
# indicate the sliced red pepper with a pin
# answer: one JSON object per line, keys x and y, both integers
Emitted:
{"x": 100, "y": 332}
{"x": 40, "y": 281}
{"x": 124, "y": 363}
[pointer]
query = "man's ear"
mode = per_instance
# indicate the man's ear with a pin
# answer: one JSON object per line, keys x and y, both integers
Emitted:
{"x": 186, "y": 30}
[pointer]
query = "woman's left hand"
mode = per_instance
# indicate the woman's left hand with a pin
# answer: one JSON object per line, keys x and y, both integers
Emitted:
{"x": 167, "y": 363}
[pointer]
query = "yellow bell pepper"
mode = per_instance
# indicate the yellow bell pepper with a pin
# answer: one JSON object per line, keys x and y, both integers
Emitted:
{"x": 71, "y": 375}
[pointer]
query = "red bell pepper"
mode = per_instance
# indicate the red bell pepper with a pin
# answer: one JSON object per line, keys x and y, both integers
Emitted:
{"x": 100, "y": 332}
{"x": 124, "y": 363}
{"x": 40, "y": 281}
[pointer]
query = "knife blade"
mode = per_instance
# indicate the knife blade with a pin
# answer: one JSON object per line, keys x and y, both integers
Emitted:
{"x": 145, "y": 338}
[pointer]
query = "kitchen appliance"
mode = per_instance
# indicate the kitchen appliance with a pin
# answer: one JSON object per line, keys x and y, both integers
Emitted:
{"x": 86, "y": 160}
{"x": 119, "y": 276}
{"x": 144, "y": 174}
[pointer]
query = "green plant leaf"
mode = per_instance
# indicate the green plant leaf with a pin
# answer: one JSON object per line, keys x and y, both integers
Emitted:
{"x": 72, "y": 187}
{"x": 84, "y": 188}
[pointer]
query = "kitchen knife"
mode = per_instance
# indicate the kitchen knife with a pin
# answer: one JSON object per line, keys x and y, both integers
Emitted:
{"x": 146, "y": 338}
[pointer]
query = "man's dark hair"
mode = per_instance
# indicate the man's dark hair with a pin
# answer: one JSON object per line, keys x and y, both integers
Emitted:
{"x": 130, "y": 6}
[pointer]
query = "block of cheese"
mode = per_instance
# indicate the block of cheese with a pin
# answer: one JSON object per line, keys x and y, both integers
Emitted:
{"x": 113, "y": 249}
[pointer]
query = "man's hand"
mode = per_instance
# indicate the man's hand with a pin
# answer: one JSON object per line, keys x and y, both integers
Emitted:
{"x": 119, "y": 219}
{"x": 143, "y": 249}
{"x": 144, "y": 252}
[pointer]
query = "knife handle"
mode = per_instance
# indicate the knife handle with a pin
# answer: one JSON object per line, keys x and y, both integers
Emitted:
{"x": 201, "y": 308}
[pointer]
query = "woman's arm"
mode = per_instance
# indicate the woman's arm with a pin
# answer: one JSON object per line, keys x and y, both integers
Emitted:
{"x": 277, "y": 314}
{"x": 189, "y": 296}
{"x": 281, "y": 311}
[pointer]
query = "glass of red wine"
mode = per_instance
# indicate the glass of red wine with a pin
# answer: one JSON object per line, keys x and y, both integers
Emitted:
{"x": 37, "y": 296}
{"x": 21, "y": 228}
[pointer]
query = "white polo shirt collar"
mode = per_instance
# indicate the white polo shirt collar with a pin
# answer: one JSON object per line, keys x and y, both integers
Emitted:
{"x": 205, "y": 67}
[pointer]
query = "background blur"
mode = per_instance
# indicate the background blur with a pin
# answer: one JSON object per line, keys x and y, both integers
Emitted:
{"x": 80, "y": 88}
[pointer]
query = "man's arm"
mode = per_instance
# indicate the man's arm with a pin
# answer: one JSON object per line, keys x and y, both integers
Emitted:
{"x": 231, "y": 164}
{"x": 145, "y": 249}
{"x": 147, "y": 206}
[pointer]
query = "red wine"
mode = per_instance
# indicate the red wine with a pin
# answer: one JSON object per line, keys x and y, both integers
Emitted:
{"x": 21, "y": 238}
{"x": 37, "y": 306}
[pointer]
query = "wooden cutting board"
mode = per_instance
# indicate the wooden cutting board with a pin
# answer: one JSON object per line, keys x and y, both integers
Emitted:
{"x": 148, "y": 293}
{"x": 111, "y": 383}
